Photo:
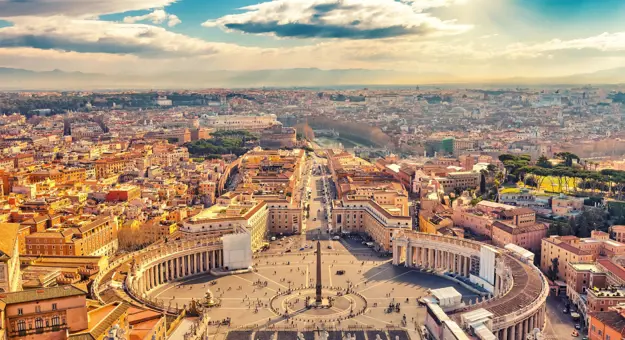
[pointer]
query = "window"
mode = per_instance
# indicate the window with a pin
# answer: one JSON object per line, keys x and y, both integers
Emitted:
{"x": 39, "y": 323}
{"x": 38, "y": 309}
{"x": 21, "y": 325}
{"x": 20, "y": 311}
{"x": 54, "y": 306}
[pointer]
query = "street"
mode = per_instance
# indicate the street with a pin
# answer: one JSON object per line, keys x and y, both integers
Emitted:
{"x": 559, "y": 325}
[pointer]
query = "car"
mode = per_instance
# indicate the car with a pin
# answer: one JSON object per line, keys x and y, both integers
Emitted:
{"x": 565, "y": 311}
{"x": 336, "y": 238}
{"x": 314, "y": 218}
{"x": 287, "y": 251}
{"x": 340, "y": 272}
{"x": 578, "y": 326}
{"x": 329, "y": 247}
{"x": 301, "y": 248}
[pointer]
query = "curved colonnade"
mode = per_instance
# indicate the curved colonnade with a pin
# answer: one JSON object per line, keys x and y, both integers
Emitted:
{"x": 172, "y": 262}
{"x": 520, "y": 291}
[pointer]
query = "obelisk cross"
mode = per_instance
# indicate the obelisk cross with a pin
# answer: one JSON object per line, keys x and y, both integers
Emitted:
{"x": 318, "y": 285}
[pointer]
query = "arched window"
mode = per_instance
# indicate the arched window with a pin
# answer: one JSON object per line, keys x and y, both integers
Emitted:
{"x": 39, "y": 323}
{"x": 21, "y": 325}
{"x": 55, "y": 320}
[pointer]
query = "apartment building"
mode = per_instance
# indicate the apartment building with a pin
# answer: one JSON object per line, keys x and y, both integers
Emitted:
{"x": 607, "y": 325}
{"x": 569, "y": 249}
{"x": 49, "y": 313}
{"x": 567, "y": 206}
{"x": 518, "y": 226}
{"x": 96, "y": 237}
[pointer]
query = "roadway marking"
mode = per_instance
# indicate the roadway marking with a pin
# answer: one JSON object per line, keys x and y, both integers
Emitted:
{"x": 366, "y": 316}
{"x": 381, "y": 282}
{"x": 268, "y": 279}
{"x": 252, "y": 282}
{"x": 374, "y": 275}
{"x": 360, "y": 321}
{"x": 330, "y": 274}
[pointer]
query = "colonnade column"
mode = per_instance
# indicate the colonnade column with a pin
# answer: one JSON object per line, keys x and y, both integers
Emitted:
{"x": 525, "y": 327}
{"x": 213, "y": 259}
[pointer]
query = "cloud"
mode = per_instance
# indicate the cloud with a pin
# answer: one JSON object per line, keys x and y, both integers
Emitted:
{"x": 95, "y": 36}
{"x": 605, "y": 42}
{"x": 158, "y": 16}
{"x": 348, "y": 19}
{"x": 75, "y": 8}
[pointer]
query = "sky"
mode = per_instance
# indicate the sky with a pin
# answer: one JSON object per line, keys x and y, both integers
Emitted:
{"x": 467, "y": 39}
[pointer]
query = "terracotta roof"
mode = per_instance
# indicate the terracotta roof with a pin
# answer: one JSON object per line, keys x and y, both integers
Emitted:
{"x": 612, "y": 319}
{"x": 573, "y": 249}
{"x": 103, "y": 319}
{"x": 517, "y": 212}
{"x": 515, "y": 230}
{"x": 613, "y": 268}
{"x": 94, "y": 224}
{"x": 41, "y": 294}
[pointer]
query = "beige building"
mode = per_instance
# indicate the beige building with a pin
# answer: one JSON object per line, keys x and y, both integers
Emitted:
{"x": 90, "y": 237}
{"x": 361, "y": 214}
{"x": 518, "y": 226}
{"x": 234, "y": 122}
{"x": 571, "y": 249}
{"x": 231, "y": 214}
{"x": 134, "y": 234}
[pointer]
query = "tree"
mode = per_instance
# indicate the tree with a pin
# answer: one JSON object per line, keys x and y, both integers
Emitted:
{"x": 568, "y": 158}
{"x": 482, "y": 181}
{"x": 552, "y": 272}
{"x": 544, "y": 162}
{"x": 513, "y": 164}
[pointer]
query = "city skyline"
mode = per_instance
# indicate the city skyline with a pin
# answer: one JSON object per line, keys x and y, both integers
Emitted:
{"x": 427, "y": 40}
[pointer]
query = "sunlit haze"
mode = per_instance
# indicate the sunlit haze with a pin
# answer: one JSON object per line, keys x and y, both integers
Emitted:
{"x": 423, "y": 40}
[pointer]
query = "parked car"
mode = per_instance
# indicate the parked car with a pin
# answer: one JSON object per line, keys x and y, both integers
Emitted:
{"x": 340, "y": 272}
{"x": 565, "y": 311}
{"x": 578, "y": 326}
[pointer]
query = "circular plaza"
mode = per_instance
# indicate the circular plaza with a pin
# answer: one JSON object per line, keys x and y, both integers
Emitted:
{"x": 360, "y": 290}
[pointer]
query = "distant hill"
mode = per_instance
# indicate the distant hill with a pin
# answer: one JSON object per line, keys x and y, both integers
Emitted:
{"x": 17, "y": 79}
{"x": 20, "y": 79}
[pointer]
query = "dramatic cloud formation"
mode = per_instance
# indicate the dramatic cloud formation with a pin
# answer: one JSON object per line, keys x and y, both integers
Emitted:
{"x": 96, "y": 36}
{"x": 158, "y": 16}
{"x": 75, "y": 8}
{"x": 427, "y": 36}
{"x": 346, "y": 19}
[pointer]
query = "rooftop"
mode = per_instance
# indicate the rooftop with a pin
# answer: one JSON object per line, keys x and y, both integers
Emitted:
{"x": 613, "y": 319}
{"x": 41, "y": 294}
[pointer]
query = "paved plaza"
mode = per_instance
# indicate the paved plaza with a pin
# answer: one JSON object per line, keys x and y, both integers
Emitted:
{"x": 260, "y": 299}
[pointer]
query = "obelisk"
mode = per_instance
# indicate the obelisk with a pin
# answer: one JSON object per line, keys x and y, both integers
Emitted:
{"x": 318, "y": 299}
